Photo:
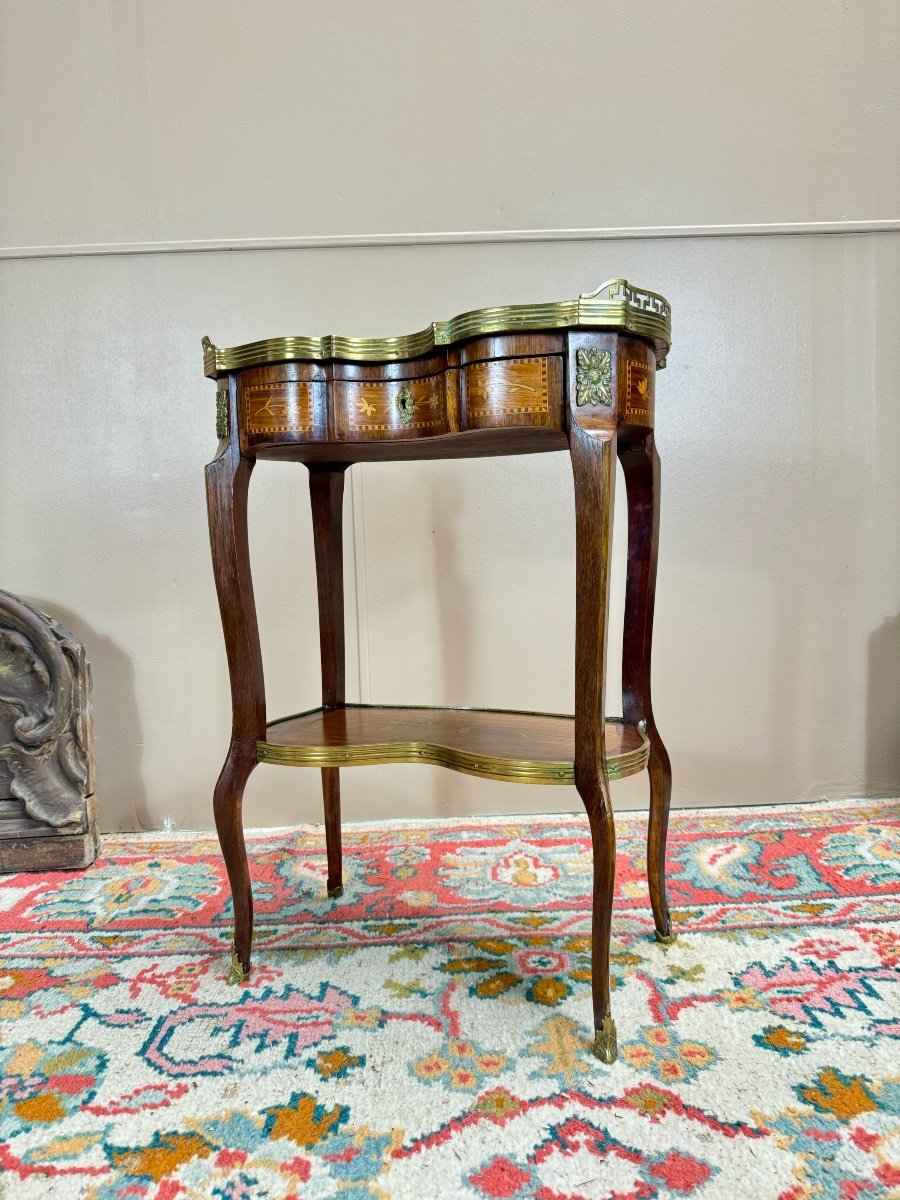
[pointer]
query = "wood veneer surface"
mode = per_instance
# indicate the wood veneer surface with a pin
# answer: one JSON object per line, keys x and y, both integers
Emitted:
{"x": 513, "y": 736}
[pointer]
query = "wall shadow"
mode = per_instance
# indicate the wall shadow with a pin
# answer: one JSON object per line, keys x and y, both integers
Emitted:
{"x": 883, "y": 710}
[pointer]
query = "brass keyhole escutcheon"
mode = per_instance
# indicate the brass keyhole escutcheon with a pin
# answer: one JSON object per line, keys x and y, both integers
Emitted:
{"x": 406, "y": 406}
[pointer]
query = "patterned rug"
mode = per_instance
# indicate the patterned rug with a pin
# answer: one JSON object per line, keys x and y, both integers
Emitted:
{"x": 428, "y": 1035}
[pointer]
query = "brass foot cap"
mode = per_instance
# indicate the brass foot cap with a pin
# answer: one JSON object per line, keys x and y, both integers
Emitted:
{"x": 334, "y": 892}
{"x": 236, "y": 973}
{"x": 665, "y": 939}
{"x": 605, "y": 1045}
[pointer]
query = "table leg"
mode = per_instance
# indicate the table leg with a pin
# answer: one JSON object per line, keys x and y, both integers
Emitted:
{"x": 227, "y": 480}
{"x": 640, "y": 464}
{"x": 593, "y": 465}
{"x": 326, "y": 492}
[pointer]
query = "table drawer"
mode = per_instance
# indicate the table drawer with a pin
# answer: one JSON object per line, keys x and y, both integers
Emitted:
{"x": 389, "y": 409}
{"x": 513, "y": 392}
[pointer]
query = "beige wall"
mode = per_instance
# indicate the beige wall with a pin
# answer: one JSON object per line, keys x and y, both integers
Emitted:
{"x": 148, "y": 123}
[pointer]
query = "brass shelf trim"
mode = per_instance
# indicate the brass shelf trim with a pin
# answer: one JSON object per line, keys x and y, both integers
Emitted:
{"x": 542, "y": 771}
{"x": 616, "y": 304}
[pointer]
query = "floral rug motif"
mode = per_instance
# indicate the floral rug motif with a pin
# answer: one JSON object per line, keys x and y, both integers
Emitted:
{"x": 428, "y": 1035}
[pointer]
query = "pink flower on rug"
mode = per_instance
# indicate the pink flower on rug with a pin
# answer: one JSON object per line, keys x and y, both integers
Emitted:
{"x": 666, "y": 1057}
{"x": 501, "y": 1178}
{"x": 299, "y": 1167}
{"x": 461, "y": 1064}
{"x": 231, "y": 1158}
{"x": 680, "y": 1172}
{"x": 823, "y": 948}
{"x": 541, "y": 962}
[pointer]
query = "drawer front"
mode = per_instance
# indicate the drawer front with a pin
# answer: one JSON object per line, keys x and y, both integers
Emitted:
{"x": 392, "y": 409}
{"x": 282, "y": 404}
{"x": 513, "y": 392}
{"x": 292, "y": 403}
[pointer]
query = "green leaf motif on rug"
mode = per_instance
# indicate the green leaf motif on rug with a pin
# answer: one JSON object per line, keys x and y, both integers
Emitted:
{"x": 407, "y": 951}
{"x": 689, "y": 974}
{"x": 403, "y": 991}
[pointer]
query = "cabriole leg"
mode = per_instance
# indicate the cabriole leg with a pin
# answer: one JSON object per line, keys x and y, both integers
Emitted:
{"x": 326, "y": 492}
{"x": 640, "y": 464}
{"x": 227, "y": 805}
{"x": 227, "y": 481}
{"x": 593, "y": 459}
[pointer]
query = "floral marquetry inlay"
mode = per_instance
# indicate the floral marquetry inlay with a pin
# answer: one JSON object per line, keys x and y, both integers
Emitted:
{"x": 513, "y": 388}
{"x": 593, "y": 379}
{"x": 640, "y": 379}
{"x": 284, "y": 407}
{"x": 372, "y": 407}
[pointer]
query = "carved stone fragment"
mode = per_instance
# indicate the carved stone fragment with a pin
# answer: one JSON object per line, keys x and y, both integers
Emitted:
{"x": 47, "y": 807}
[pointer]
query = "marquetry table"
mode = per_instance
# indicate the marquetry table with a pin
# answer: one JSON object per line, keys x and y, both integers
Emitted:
{"x": 578, "y": 376}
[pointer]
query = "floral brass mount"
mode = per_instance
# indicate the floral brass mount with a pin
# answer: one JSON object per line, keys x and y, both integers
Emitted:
{"x": 593, "y": 379}
{"x": 221, "y": 413}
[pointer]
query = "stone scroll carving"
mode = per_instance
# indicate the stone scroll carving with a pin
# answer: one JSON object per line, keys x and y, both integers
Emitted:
{"x": 46, "y": 745}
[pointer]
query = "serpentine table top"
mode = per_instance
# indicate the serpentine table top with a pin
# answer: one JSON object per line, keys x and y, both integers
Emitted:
{"x": 487, "y": 382}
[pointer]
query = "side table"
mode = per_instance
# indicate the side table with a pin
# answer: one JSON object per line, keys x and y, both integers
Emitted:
{"x": 577, "y": 375}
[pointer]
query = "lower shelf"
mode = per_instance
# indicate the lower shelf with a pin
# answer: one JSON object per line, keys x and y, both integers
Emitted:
{"x": 520, "y": 747}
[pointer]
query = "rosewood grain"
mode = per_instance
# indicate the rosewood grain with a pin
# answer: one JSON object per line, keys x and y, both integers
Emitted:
{"x": 468, "y": 443}
{"x": 640, "y": 465}
{"x": 227, "y": 481}
{"x": 507, "y": 345}
{"x": 592, "y": 442}
{"x": 489, "y": 735}
{"x": 326, "y": 492}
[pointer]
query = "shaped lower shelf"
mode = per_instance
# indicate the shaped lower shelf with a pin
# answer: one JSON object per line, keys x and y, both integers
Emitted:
{"x": 520, "y": 747}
